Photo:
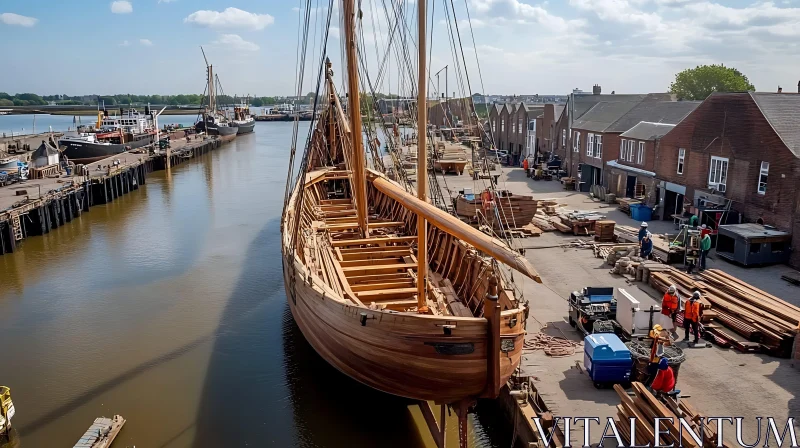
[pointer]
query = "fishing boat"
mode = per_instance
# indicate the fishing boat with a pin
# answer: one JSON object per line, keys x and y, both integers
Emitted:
{"x": 242, "y": 119}
{"x": 389, "y": 289}
{"x": 212, "y": 121}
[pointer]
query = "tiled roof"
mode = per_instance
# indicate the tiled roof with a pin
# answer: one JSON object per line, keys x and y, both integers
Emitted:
{"x": 584, "y": 102}
{"x": 646, "y": 130}
{"x": 782, "y": 110}
{"x": 602, "y": 115}
{"x": 671, "y": 112}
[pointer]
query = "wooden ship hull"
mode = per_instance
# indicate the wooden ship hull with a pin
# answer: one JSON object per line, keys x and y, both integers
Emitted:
{"x": 377, "y": 341}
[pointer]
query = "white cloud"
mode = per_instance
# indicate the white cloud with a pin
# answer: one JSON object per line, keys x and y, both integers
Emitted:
{"x": 514, "y": 11}
{"x": 334, "y": 32}
{"x": 235, "y": 42}
{"x": 9, "y": 18}
{"x": 124, "y": 43}
{"x": 146, "y": 42}
{"x": 121, "y": 7}
{"x": 230, "y": 18}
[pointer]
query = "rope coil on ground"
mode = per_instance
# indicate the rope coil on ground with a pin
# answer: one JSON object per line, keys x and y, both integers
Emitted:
{"x": 552, "y": 345}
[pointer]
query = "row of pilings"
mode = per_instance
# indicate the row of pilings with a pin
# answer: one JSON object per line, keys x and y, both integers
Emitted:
{"x": 58, "y": 207}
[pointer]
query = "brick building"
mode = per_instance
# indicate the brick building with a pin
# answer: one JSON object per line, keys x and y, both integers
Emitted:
{"x": 451, "y": 113}
{"x": 736, "y": 149}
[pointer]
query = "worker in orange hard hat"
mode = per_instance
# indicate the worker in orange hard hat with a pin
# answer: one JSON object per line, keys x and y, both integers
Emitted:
{"x": 691, "y": 317}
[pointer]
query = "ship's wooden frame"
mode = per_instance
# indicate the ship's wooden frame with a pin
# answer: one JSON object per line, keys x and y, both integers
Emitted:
{"x": 355, "y": 296}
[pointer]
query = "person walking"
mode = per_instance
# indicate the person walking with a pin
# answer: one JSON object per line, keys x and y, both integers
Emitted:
{"x": 525, "y": 166}
{"x": 691, "y": 317}
{"x": 705, "y": 247}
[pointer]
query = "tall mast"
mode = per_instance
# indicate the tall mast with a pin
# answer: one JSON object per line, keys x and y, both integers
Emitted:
{"x": 211, "y": 104}
{"x": 354, "y": 108}
{"x": 422, "y": 162}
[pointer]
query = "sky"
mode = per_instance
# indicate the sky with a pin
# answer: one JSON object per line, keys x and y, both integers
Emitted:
{"x": 521, "y": 46}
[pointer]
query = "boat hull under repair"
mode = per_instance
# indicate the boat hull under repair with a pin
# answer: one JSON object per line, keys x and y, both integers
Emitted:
{"x": 401, "y": 353}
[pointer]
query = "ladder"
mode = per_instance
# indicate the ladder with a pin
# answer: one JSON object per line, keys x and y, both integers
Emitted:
{"x": 16, "y": 225}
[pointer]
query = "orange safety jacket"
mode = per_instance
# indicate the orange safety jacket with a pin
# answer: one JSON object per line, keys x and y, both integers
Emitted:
{"x": 692, "y": 312}
{"x": 669, "y": 304}
{"x": 525, "y": 164}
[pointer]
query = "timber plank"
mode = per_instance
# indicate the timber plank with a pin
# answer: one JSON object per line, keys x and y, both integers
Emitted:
{"x": 365, "y": 241}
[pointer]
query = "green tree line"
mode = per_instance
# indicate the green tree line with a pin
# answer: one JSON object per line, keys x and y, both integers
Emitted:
{"x": 32, "y": 99}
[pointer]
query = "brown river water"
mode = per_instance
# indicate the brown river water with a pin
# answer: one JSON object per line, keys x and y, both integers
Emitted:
{"x": 167, "y": 306}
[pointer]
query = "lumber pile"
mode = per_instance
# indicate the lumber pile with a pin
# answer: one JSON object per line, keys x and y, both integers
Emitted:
{"x": 604, "y": 230}
{"x": 515, "y": 210}
{"x": 644, "y": 408}
{"x": 763, "y": 322}
{"x": 569, "y": 183}
{"x": 751, "y": 312}
{"x": 625, "y": 204}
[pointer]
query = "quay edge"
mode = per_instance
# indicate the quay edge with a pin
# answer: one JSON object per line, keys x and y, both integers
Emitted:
{"x": 65, "y": 203}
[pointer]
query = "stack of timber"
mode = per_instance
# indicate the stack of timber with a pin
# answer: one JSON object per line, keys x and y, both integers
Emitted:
{"x": 751, "y": 312}
{"x": 643, "y": 407}
{"x": 102, "y": 432}
{"x": 625, "y": 204}
{"x": 569, "y": 183}
{"x": 762, "y": 321}
{"x": 515, "y": 211}
{"x": 662, "y": 250}
{"x": 604, "y": 230}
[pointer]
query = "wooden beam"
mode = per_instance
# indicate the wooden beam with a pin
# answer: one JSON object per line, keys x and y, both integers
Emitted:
{"x": 380, "y": 241}
{"x": 386, "y": 294}
{"x": 356, "y": 279}
{"x": 388, "y": 268}
{"x": 453, "y": 226}
{"x": 370, "y": 262}
{"x": 367, "y": 254}
{"x": 361, "y": 287}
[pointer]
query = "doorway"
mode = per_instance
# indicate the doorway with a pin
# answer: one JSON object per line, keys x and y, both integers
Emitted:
{"x": 673, "y": 204}
{"x": 630, "y": 187}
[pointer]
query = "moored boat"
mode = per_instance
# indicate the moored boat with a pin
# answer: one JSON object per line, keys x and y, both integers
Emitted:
{"x": 242, "y": 119}
{"x": 112, "y": 135}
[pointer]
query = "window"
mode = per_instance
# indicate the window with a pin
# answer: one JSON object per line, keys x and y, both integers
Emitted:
{"x": 590, "y": 145}
{"x": 622, "y": 148}
{"x": 494, "y": 126}
{"x": 640, "y": 156}
{"x": 576, "y": 144}
{"x": 762, "y": 178}
{"x": 519, "y": 125}
{"x": 502, "y": 125}
{"x": 718, "y": 174}
{"x": 564, "y": 138}
{"x": 598, "y": 146}
{"x": 681, "y": 159}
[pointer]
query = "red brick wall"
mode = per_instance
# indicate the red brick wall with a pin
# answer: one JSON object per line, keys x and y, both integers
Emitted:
{"x": 732, "y": 126}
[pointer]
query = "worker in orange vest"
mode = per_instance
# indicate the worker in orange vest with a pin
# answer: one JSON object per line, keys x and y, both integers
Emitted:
{"x": 691, "y": 317}
{"x": 670, "y": 305}
{"x": 525, "y": 166}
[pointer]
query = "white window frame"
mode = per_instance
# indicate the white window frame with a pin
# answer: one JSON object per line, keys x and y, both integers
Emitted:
{"x": 519, "y": 125}
{"x": 718, "y": 172}
{"x": 763, "y": 175}
{"x": 590, "y": 145}
{"x": 640, "y": 155}
{"x": 564, "y": 138}
{"x": 631, "y": 150}
{"x": 502, "y": 125}
{"x": 622, "y": 149}
{"x": 681, "y": 159}
{"x": 576, "y": 141}
{"x": 598, "y": 146}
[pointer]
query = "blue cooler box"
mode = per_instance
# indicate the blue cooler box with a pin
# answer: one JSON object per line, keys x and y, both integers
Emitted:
{"x": 606, "y": 358}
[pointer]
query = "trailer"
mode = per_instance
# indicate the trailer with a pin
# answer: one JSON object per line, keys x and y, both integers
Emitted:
{"x": 592, "y": 307}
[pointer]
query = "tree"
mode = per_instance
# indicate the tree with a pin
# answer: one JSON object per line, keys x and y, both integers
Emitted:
{"x": 256, "y": 102}
{"x": 700, "y": 82}
{"x": 6, "y": 102}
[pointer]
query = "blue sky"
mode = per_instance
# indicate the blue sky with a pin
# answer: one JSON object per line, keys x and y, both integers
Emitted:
{"x": 524, "y": 46}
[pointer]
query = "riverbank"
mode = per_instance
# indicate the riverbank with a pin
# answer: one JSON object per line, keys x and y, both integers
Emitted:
{"x": 37, "y": 206}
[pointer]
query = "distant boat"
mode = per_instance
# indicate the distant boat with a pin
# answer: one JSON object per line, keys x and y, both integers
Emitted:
{"x": 114, "y": 135}
{"x": 242, "y": 119}
{"x": 213, "y": 121}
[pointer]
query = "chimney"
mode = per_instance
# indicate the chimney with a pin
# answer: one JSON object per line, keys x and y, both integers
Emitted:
{"x": 596, "y": 89}
{"x": 780, "y": 89}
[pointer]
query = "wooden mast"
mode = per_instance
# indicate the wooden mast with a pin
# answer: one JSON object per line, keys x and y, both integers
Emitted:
{"x": 422, "y": 161}
{"x": 354, "y": 108}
